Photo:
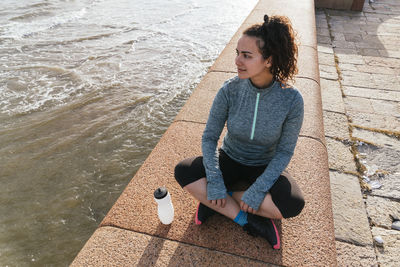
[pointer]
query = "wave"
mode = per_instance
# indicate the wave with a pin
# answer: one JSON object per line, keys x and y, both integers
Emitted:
{"x": 43, "y": 4}
{"x": 32, "y": 15}
{"x": 38, "y": 87}
{"x": 20, "y": 30}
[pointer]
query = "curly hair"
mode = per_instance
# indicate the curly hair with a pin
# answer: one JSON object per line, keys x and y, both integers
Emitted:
{"x": 277, "y": 39}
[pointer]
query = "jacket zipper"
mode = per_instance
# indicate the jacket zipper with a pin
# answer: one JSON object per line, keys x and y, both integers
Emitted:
{"x": 255, "y": 117}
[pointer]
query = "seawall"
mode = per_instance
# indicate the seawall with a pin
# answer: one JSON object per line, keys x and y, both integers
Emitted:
{"x": 131, "y": 234}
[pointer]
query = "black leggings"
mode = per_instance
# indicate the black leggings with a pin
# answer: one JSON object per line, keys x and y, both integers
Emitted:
{"x": 285, "y": 193}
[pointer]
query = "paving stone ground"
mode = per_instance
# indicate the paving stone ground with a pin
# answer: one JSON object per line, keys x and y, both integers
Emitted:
{"x": 359, "y": 63}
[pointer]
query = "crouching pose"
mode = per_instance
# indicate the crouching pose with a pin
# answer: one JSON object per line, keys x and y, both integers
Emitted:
{"x": 245, "y": 179}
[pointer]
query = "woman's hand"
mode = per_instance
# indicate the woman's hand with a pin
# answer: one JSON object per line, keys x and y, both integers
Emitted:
{"x": 218, "y": 202}
{"x": 246, "y": 208}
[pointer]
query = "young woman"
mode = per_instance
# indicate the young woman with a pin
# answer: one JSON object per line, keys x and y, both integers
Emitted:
{"x": 245, "y": 179}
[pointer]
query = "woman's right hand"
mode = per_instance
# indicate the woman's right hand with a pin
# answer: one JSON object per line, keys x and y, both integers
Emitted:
{"x": 218, "y": 202}
{"x": 246, "y": 208}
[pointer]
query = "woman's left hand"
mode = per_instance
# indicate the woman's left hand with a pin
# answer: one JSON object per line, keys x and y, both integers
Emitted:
{"x": 246, "y": 208}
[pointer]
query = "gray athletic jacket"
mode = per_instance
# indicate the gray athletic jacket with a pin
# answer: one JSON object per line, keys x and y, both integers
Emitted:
{"x": 263, "y": 127}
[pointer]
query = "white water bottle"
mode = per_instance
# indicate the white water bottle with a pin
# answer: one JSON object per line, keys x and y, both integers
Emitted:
{"x": 165, "y": 207}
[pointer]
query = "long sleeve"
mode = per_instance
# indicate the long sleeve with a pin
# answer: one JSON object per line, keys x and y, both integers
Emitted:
{"x": 216, "y": 121}
{"x": 255, "y": 194}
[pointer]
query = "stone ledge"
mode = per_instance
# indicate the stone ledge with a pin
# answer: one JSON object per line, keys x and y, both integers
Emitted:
{"x": 110, "y": 246}
{"x": 198, "y": 105}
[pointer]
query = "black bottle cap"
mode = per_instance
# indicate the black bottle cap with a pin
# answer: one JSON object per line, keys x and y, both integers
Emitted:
{"x": 160, "y": 192}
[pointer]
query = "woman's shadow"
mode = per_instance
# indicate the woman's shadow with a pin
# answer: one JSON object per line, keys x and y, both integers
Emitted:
{"x": 217, "y": 241}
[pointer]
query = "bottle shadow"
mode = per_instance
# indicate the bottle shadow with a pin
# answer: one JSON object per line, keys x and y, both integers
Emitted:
{"x": 154, "y": 246}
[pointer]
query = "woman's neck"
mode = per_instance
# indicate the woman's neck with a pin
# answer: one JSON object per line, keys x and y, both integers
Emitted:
{"x": 262, "y": 83}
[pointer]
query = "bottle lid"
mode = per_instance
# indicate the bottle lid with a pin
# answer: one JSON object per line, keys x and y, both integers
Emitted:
{"x": 160, "y": 192}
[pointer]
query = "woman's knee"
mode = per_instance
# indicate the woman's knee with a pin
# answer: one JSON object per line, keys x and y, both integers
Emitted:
{"x": 287, "y": 196}
{"x": 180, "y": 172}
{"x": 295, "y": 208}
{"x": 189, "y": 170}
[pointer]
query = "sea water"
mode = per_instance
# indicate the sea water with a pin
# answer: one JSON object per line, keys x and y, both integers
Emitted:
{"x": 87, "y": 88}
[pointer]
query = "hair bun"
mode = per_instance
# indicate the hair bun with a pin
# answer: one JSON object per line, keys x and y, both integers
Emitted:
{"x": 266, "y": 19}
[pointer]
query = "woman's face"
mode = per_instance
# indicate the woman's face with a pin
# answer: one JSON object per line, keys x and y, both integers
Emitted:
{"x": 250, "y": 62}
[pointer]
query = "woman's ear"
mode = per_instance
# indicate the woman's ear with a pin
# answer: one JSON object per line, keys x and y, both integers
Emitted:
{"x": 268, "y": 62}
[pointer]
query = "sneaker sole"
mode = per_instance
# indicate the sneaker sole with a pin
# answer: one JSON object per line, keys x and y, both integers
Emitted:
{"x": 196, "y": 217}
{"x": 278, "y": 244}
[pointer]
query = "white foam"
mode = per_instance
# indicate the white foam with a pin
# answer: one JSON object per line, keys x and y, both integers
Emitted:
{"x": 21, "y": 29}
{"x": 38, "y": 87}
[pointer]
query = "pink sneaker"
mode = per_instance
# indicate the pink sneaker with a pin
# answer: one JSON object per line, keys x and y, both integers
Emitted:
{"x": 264, "y": 227}
{"x": 203, "y": 213}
